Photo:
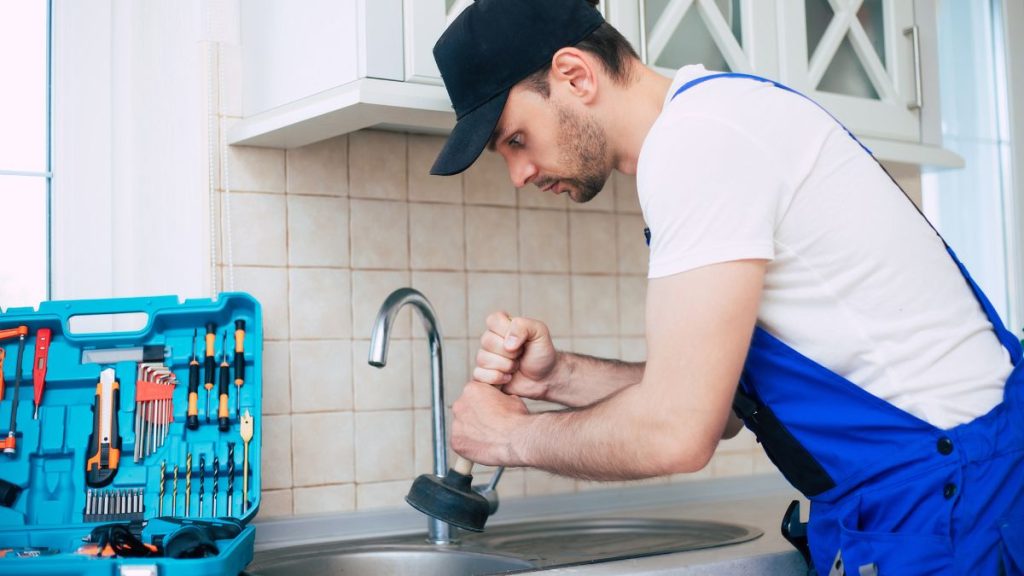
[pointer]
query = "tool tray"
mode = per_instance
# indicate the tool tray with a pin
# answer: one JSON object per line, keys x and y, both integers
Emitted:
{"x": 47, "y": 505}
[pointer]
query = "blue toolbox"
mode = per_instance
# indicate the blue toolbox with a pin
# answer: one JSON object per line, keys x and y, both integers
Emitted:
{"x": 130, "y": 452}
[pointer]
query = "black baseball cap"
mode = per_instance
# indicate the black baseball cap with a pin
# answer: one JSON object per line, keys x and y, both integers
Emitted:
{"x": 488, "y": 49}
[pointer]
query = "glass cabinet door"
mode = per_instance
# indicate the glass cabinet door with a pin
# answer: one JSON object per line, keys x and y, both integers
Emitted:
{"x": 857, "y": 58}
{"x": 722, "y": 35}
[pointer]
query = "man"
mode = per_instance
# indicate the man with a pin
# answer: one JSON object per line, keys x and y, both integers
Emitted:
{"x": 783, "y": 257}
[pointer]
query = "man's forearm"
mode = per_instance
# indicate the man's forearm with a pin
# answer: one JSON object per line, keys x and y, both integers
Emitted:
{"x": 622, "y": 437}
{"x": 584, "y": 380}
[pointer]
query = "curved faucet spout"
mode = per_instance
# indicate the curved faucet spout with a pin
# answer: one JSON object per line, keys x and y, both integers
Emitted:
{"x": 381, "y": 336}
{"x": 439, "y": 531}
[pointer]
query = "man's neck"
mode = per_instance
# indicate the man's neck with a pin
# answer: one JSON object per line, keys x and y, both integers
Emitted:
{"x": 637, "y": 109}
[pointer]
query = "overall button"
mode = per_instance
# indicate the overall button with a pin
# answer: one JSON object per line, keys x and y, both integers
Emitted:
{"x": 949, "y": 490}
{"x": 945, "y": 446}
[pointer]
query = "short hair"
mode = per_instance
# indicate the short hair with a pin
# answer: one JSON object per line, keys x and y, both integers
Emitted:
{"x": 612, "y": 50}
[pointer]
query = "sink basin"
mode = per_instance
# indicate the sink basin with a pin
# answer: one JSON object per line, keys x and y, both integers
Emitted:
{"x": 502, "y": 549}
{"x": 384, "y": 561}
{"x": 558, "y": 543}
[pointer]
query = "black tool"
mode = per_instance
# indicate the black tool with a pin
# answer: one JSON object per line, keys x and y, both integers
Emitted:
{"x": 451, "y": 499}
{"x": 211, "y": 364}
{"x": 8, "y": 493}
{"x": 223, "y": 413}
{"x": 192, "y": 418}
{"x": 239, "y": 363}
{"x": 105, "y": 441}
{"x": 795, "y": 531}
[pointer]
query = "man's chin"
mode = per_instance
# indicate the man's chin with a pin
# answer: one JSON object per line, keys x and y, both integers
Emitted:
{"x": 584, "y": 194}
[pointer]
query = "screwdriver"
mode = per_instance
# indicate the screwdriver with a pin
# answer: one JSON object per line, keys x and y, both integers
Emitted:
{"x": 223, "y": 415}
{"x": 239, "y": 362}
{"x": 193, "y": 387}
{"x": 211, "y": 363}
{"x": 39, "y": 368}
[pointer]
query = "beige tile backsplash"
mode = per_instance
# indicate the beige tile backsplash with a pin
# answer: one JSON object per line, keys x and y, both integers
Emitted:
{"x": 322, "y": 234}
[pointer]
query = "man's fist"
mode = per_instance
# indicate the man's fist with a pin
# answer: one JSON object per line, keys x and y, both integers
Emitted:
{"x": 516, "y": 353}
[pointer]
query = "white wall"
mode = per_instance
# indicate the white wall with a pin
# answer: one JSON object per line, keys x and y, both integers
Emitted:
{"x": 130, "y": 185}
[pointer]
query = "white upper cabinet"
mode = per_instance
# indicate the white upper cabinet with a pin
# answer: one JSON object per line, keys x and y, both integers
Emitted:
{"x": 424, "y": 23}
{"x": 857, "y": 58}
{"x": 313, "y": 69}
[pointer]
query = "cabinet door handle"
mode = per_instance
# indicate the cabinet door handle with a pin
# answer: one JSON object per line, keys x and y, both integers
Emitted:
{"x": 915, "y": 37}
{"x": 642, "y": 14}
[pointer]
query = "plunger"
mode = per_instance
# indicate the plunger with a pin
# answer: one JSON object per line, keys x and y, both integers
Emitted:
{"x": 450, "y": 499}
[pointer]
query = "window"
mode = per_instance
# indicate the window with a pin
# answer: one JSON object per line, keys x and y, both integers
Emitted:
{"x": 974, "y": 208}
{"x": 24, "y": 152}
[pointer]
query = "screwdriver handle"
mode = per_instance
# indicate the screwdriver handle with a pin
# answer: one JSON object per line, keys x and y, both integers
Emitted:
{"x": 223, "y": 418}
{"x": 210, "y": 359}
{"x": 239, "y": 352}
{"x": 39, "y": 367}
{"x": 192, "y": 421}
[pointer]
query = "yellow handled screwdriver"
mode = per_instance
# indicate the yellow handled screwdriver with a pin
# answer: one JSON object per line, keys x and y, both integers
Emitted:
{"x": 211, "y": 363}
{"x": 192, "y": 421}
{"x": 239, "y": 363}
{"x": 223, "y": 413}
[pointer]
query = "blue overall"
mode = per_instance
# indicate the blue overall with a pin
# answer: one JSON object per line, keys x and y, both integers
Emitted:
{"x": 886, "y": 487}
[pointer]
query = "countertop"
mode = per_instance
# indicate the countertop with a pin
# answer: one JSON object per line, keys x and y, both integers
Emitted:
{"x": 757, "y": 501}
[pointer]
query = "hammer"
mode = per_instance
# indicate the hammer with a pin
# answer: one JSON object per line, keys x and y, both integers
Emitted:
{"x": 451, "y": 499}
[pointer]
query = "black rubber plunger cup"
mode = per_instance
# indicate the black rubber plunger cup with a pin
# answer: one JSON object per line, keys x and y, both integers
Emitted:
{"x": 450, "y": 499}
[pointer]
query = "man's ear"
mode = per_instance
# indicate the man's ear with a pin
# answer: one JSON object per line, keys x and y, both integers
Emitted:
{"x": 575, "y": 72}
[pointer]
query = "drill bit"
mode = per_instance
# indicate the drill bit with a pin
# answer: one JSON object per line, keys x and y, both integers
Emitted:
{"x": 202, "y": 482}
{"x": 163, "y": 480}
{"x": 246, "y": 432}
{"x": 188, "y": 483}
{"x": 174, "y": 493}
{"x": 216, "y": 483}
{"x": 231, "y": 477}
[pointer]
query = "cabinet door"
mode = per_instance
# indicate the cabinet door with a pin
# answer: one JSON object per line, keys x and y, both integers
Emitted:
{"x": 425, "y": 20}
{"x": 724, "y": 35}
{"x": 855, "y": 57}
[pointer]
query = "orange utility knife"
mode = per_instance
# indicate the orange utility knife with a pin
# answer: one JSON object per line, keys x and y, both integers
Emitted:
{"x": 105, "y": 442}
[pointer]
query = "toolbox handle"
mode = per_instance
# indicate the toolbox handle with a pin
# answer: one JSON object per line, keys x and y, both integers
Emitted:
{"x": 114, "y": 308}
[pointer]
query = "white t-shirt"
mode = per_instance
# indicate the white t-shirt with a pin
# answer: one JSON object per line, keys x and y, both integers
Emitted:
{"x": 856, "y": 280}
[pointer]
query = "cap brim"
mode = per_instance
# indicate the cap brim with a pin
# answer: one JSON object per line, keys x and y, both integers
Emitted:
{"x": 470, "y": 137}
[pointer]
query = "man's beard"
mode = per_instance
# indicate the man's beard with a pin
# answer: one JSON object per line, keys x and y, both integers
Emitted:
{"x": 584, "y": 150}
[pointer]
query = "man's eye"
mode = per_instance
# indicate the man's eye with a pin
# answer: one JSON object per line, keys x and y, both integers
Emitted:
{"x": 515, "y": 141}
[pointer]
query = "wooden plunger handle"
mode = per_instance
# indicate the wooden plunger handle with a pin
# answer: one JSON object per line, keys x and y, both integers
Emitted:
{"x": 463, "y": 466}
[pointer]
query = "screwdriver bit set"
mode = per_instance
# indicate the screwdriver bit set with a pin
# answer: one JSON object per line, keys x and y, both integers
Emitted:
{"x": 126, "y": 424}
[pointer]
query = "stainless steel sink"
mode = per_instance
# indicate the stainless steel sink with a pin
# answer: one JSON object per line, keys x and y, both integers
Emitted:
{"x": 559, "y": 543}
{"x": 504, "y": 548}
{"x": 384, "y": 561}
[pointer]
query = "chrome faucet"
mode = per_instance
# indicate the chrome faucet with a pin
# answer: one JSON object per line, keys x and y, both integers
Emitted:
{"x": 438, "y": 531}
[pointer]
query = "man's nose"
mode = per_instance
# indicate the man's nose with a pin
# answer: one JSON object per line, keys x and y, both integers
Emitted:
{"x": 521, "y": 172}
